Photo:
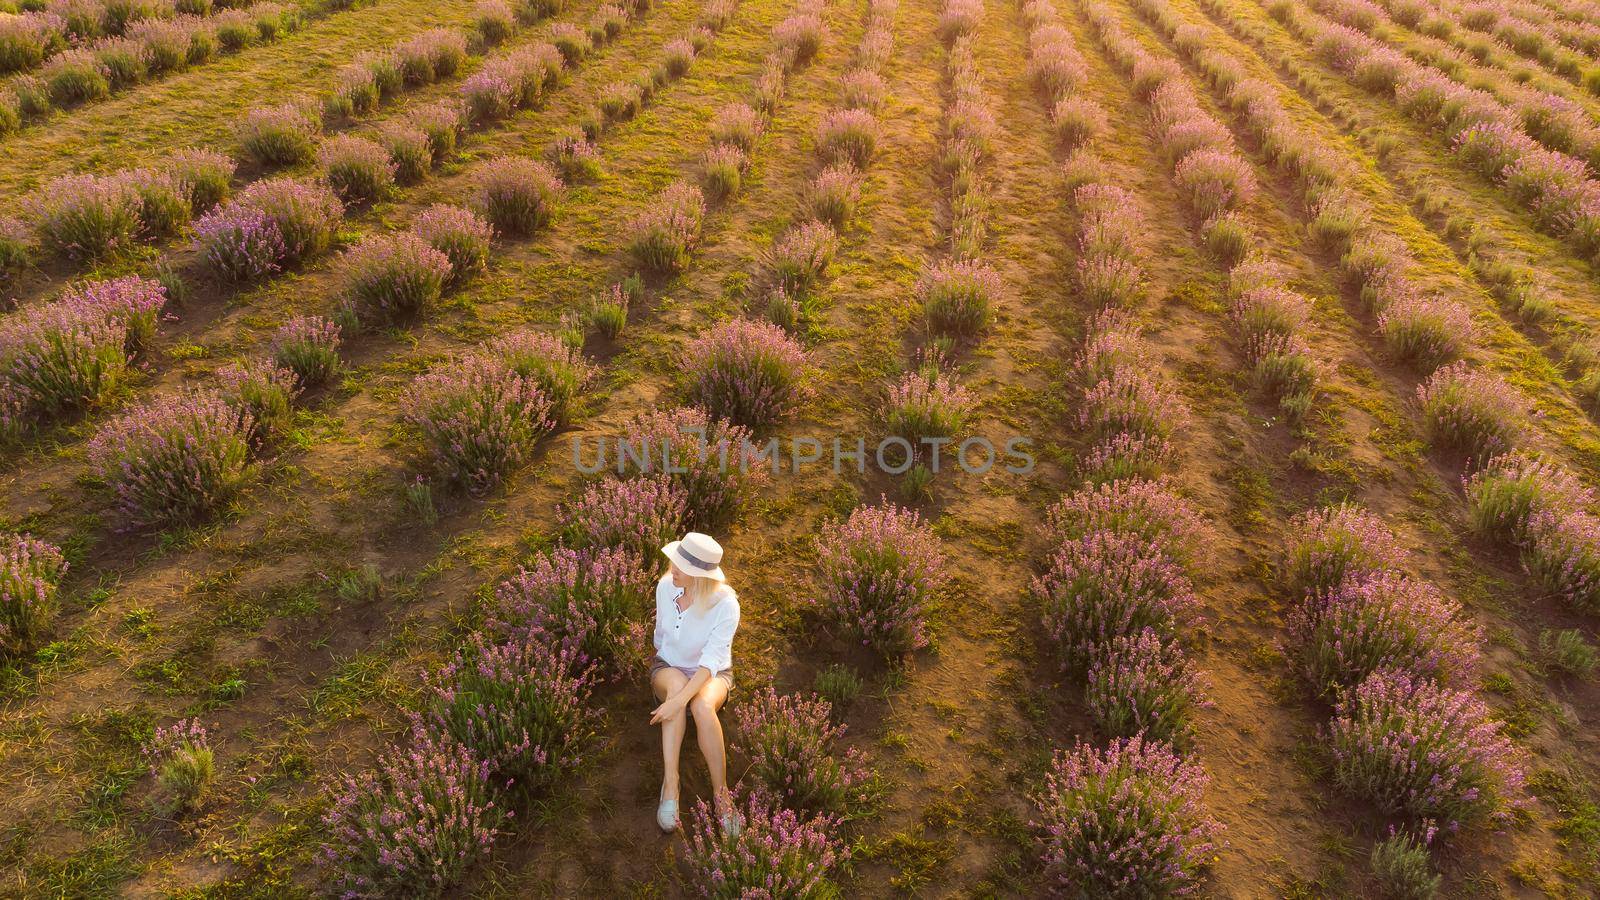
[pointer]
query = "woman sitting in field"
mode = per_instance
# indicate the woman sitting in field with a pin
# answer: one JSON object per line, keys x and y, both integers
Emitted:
{"x": 696, "y": 616}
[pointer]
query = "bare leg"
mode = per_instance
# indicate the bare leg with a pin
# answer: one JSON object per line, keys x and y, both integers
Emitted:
{"x": 667, "y": 682}
{"x": 708, "y": 731}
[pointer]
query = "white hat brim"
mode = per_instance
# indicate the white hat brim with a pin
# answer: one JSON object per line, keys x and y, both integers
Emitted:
{"x": 674, "y": 553}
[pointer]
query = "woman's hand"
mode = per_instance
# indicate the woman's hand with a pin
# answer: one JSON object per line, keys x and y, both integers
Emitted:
{"x": 670, "y": 709}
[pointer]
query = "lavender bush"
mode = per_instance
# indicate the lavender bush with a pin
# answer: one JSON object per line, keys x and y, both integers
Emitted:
{"x": 1131, "y": 402}
{"x": 308, "y": 346}
{"x": 459, "y": 234}
{"x": 927, "y": 404}
{"x": 738, "y": 125}
{"x": 1140, "y": 684}
{"x": 410, "y": 153}
{"x": 1127, "y": 821}
{"x": 800, "y": 258}
{"x": 1426, "y": 331}
{"x": 833, "y": 195}
{"x": 413, "y": 826}
{"x": 774, "y": 854}
{"x": 574, "y": 156}
{"x": 30, "y": 573}
{"x": 240, "y": 243}
{"x": 479, "y": 418}
{"x": 393, "y": 277}
{"x": 522, "y": 705}
{"x": 1325, "y": 546}
{"x": 279, "y": 135}
{"x": 206, "y": 176}
{"x": 1564, "y": 554}
{"x": 306, "y": 214}
{"x": 86, "y": 216}
{"x": 1214, "y": 181}
{"x": 956, "y": 296}
{"x": 639, "y": 515}
{"x": 714, "y": 472}
{"x": 745, "y": 371}
{"x": 262, "y": 394}
{"x": 877, "y": 574}
{"x": 1512, "y": 488}
{"x": 1381, "y": 620}
{"x": 175, "y": 459}
{"x": 722, "y": 171}
{"x": 1105, "y": 585}
{"x": 183, "y": 764}
{"x": 557, "y": 369}
{"x": 847, "y": 136}
{"x": 581, "y": 601}
{"x": 1147, "y": 510}
{"x": 518, "y": 195}
{"x": 1414, "y": 748}
{"x": 1471, "y": 413}
{"x": 661, "y": 236}
{"x": 790, "y": 742}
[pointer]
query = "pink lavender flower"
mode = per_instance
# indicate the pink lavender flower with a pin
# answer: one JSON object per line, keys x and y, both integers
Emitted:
{"x": 713, "y": 461}
{"x": 877, "y": 574}
{"x": 206, "y": 176}
{"x": 393, "y": 277}
{"x": 1126, "y": 821}
{"x": 1563, "y": 553}
{"x": 639, "y": 514}
{"x": 1131, "y": 402}
{"x": 30, "y": 573}
{"x": 1512, "y": 488}
{"x": 1105, "y": 585}
{"x": 421, "y": 819}
{"x": 175, "y": 459}
{"x": 833, "y": 195}
{"x": 799, "y": 37}
{"x": 1141, "y": 684}
{"x": 663, "y": 234}
{"x": 927, "y": 404}
{"x": 431, "y": 55}
{"x": 1471, "y": 412}
{"x": 775, "y": 853}
{"x": 746, "y": 371}
{"x": 791, "y": 741}
{"x": 1414, "y": 748}
{"x": 308, "y": 346}
{"x": 479, "y": 418}
{"x": 522, "y": 705}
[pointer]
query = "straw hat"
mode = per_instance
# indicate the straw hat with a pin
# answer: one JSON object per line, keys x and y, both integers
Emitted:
{"x": 697, "y": 554}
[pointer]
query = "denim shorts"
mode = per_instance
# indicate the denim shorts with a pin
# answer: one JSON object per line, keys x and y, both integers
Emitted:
{"x": 657, "y": 664}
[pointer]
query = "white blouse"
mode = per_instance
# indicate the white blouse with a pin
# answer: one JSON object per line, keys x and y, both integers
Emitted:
{"x": 694, "y": 638}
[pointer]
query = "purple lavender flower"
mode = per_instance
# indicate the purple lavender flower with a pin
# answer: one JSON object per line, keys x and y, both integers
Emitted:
{"x": 639, "y": 515}
{"x": 746, "y": 371}
{"x": 393, "y": 277}
{"x": 1415, "y": 748}
{"x": 774, "y": 854}
{"x": 1471, "y": 412}
{"x": 713, "y": 461}
{"x": 1329, "y": 545}
{"x": 877, "y": 574}
{"x": 308, "y": 346}
{"x": 175, "y": 459}
{"x": 1141, "y": 684}
{"x": 30, "y": 572}
{"x": 663, "y": 234}
{"x": 791, "y": 741}
{"x": 479, "y": 418}
{"x": 1148, "y": 510}
{"x": 580, "y": 600}
{"x": 1126, "y": 821}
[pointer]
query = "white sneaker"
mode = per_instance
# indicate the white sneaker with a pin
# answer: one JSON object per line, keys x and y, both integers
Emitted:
{"x": 667, "y": 813}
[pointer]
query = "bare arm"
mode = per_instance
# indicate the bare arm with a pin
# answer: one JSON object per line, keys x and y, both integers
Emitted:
{"x": 675, "y": 703}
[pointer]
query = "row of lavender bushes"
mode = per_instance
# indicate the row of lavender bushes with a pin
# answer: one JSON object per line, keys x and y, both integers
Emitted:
{"x": 91, "y": 217}
{"x": 276, "y": 223}
{"x": 1372, "y": 638}
{"x": 1125, "y": 819}
{"x": 747, "y": 374}
{"x": 1487, "y": 29}
{"x": 1550, "y": 117}
{"x": 86, "y": 51}
{"x": 1270, "y": 320}
{"x": 1397, "y": 659}
{"x": 1556, "y": 189}
{"x": 556, "y": 628}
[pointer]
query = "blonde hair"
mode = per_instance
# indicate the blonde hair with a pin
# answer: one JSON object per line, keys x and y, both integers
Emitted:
{"x": 701, "y": 588}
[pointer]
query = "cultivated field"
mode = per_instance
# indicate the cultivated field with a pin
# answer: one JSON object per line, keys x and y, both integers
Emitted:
{"x": 1261, "y": 331}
